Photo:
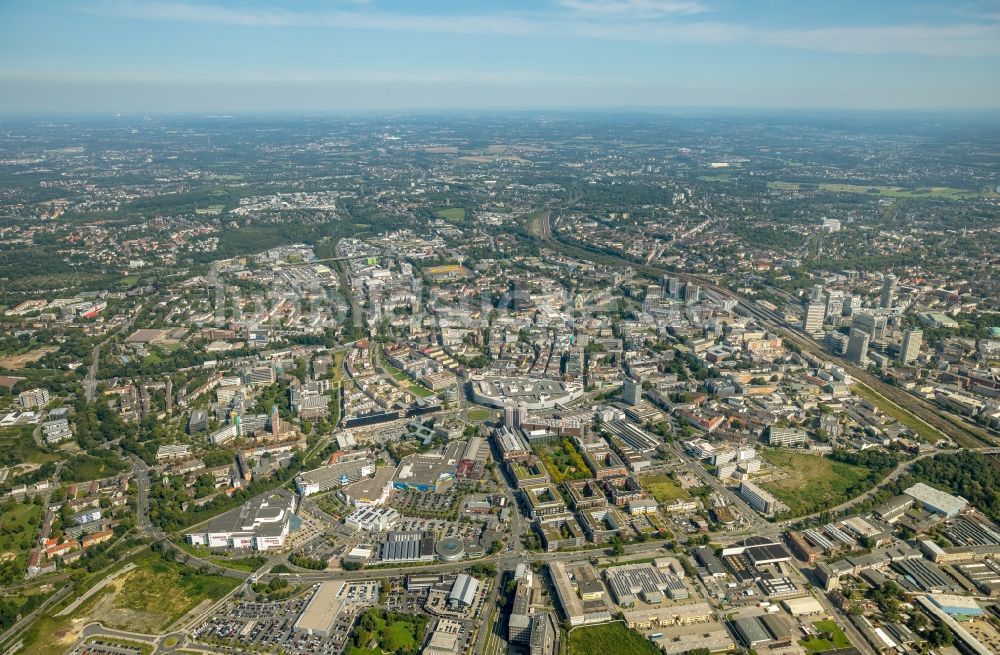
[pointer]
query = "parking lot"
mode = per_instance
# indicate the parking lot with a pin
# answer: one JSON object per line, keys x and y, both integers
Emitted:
{"x": 98, "y": 646}
{"x": 245, "y": 625}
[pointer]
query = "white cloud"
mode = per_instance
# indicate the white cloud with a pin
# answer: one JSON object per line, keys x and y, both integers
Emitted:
{"x": 634, "y": 7}
{"x": 971, "y": 39}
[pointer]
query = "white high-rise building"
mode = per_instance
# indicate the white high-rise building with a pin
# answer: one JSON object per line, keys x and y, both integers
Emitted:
{"x": 888, "y": 291}
{"x": 911, "y": 345}
{"x": 812, "y": 322}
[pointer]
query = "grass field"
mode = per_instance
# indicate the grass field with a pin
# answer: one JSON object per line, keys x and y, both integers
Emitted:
{"x": 53, "y": 635}
{"x": 812, "y": 482}
{"x": 396, "y": 374}
{"x": 417, "y": 390}
{"x": 922, "y": 429}
{"x": 478, "y": 414}
{"x": 663, "y": 488}
{"x": 938, "y": 192}
{"x": 819, "y": 644}
{"x": 157, "y": 593}
{"x": 451, "y": 214}
{"x": 18, "y": 526}
{"x": 609, "y": 639}
{"x": 391, "y": 636}
{"x": 240, "y": 564}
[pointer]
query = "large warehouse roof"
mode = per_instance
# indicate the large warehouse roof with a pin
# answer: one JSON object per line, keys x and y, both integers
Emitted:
{"x": 935, "y": 499}
{"x": 464, "y": 590}
{"x": 323, "y": 607}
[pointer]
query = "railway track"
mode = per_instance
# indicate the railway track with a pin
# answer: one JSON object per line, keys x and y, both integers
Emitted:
{"x": 947, "y": 424}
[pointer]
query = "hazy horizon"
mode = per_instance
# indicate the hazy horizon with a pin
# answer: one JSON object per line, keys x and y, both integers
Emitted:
{"x": 100, "y": 56}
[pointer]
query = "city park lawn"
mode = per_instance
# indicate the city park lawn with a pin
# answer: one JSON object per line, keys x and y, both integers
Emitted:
{"x": 478, "y": 414}
{"x": 609, "y": 639}
{"x": 809, "y": 483}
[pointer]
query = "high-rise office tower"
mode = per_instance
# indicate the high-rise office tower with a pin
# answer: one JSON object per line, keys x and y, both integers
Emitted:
{"x": 812, "y": 323}
{"x": 632, "y": 391}
{"x": 834, "y": 303}
{"x": 857, "y": 347}
{"x": 888, "y": 291}
{"x": 674, "y": 287}
{"x": 275, "y": 421}
{"x": 911, "y": 345}
{"x": 508, "y": 415}
{"x": 872, "y": 324}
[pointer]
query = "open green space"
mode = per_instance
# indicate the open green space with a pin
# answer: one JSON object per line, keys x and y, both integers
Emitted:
{"x": 609, "y": 639}
{"x": 148, "y": 599}
{"x": 18, "y": 526}
{"x": 53, "y": 635}
{"x": 664, "y": 488}
{"x": 563, "y": 461}
{"x": 397, "y": 374}
{"x": 378, "y": 631}
{"x": 478, "y": 414}
{"x": 937, "y": 192}
{"x": 451, "y": 214}
{"x": 417, "y": 390}
{"x": 17, "y": 446}
{"x": 84, "y": 467}
{"x": 810, "y": 483}
{"x": 918, "y": 426}
{"x": 830, "y": 637}
{"x": 337, "y": 368}
{"x": 167, "y": 590}
{"x": 240, "y": 564}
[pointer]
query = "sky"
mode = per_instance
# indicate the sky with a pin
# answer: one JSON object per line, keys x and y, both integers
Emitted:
{"x": 86, "y": 56}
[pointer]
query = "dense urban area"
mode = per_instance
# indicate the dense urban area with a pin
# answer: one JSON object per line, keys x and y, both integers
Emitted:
{"x": 542, "y": 384}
